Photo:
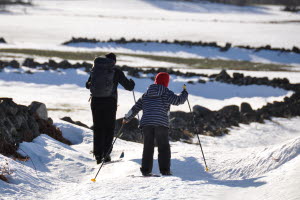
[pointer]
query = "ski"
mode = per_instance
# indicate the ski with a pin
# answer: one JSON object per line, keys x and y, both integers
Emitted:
{"x": 113, "y": 161}
{"x": 137, "y": 176}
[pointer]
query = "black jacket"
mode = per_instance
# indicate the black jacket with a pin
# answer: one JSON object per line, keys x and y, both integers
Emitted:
{"x": 119, "y": 77}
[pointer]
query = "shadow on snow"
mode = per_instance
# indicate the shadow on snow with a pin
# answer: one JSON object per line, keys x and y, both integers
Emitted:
{"x": 191, "y": 170}
{"x": 210, "y": 90}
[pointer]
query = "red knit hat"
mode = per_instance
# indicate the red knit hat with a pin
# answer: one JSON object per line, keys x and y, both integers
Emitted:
{"x": 162, "y": 78}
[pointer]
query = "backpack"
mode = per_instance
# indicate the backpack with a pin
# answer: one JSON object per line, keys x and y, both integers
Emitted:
{"x": 102, "y": 78}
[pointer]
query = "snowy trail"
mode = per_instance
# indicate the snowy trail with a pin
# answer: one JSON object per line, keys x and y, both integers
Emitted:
{"x": 64, "y": 172}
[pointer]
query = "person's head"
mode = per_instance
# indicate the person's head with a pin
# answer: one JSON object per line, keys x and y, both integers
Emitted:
{"x": 101, "y": 60}
{"x": 162, "y": 78}
{"x": 111, "y": 56}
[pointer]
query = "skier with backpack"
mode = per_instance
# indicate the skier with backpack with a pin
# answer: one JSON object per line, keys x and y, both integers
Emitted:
{"x": 103, "y": 83}
{"x": 155, "y": 103}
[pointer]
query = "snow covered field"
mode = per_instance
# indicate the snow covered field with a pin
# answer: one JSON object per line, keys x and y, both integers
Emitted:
{"x": 255, "y": 161}
{"x": 65, "y": 94}
{"x": 55, "y": 21}
{"x": 185, "y": 51}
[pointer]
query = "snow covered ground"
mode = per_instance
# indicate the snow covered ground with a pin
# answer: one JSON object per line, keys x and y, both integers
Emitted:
{"x": 174, "y": 50}
{"x": 65, "y": 94}
{"x": 259, "y": 161}
{"x": 256, "y": 161}
{"x": 55, "y": 21}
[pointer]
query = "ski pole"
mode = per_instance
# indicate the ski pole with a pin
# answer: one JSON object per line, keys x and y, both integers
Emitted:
{"x": 137, "y": 114}
{"x": 107, "y": 154}
{"x": 135, "y": 102}
{"x": 206, "y": 168}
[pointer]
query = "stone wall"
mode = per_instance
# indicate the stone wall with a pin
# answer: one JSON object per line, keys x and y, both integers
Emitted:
{"x": 20, "y": 123}
{"x": 188, "y": 43}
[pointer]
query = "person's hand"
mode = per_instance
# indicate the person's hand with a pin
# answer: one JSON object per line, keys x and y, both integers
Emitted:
{"x": 132, "y": 82}
{"x": 88, "y": 85}
{"x": 124, "y": 121}
{"x": 184, "y": 87}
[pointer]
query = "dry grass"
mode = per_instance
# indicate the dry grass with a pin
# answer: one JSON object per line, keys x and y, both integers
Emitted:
{"x": 5, "y": 170}
{"x": 188, "y": 62}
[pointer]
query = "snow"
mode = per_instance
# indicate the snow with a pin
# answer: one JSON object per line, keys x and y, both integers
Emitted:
{"x": 64, "y": 172}
{"x": 64, "y": 92}
{"x": 103, "y": 19}
{"x": 186, "y": 51}
{"x": 254, "y": 161}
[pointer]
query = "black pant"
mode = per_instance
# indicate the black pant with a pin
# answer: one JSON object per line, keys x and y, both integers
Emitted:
{"x": 104, "y": 117}
{"x": 161, "y": 134}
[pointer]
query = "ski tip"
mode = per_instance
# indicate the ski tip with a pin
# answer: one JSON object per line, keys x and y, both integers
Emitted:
{"x": 206, "y": 169}
{"x": 93, "y": 180}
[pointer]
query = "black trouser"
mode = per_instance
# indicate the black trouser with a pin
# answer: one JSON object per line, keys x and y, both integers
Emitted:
{"x": 104, "y": 117}
{"x": 161, "y": 134}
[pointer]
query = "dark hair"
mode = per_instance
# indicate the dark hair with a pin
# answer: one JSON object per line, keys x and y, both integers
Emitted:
{"x": 111, "y": 56}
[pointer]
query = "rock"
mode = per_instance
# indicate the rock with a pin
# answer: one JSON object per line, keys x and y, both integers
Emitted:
{"x": 180, "y": 135}
{"x": 18, "y": 124}
{"x": 230, "y": 110}
{"x": 201, "y": 81}
{"x": 246, "y": 108}
{"x": 14, "y": 64}
{"x": 228, "y": 116}
{"x": 223, "y": 76}
{"x": 68, "y": 119}
{"x": 40, "y": 109}
{"x": 29, "y": 62}
{"x": 226, "y": 48}
{"x": 64, "y": 64}
{"x": 238, "y": 75}
{"x": 201, "y": 111}
{"x": 46, "y": 127}
{"x": 180, "y": 120}
{"x": 296, "y": 49}
{"x": 2, "y": 40}
{"x": 134, "y": 72}
{"x": 52, "y": 64}
{"x": 131, "y": 131}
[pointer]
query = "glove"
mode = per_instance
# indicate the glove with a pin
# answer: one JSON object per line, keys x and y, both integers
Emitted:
{"x": 124, "y": 121}
{"x": 88, "y": 85}
{"x": 132, "y": 82}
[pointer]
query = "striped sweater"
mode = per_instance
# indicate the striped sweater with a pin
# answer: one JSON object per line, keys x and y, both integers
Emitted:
{"x": 155, "y": 104}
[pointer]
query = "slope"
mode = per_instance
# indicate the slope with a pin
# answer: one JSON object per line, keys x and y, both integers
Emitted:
{"x": 64, "y": 172}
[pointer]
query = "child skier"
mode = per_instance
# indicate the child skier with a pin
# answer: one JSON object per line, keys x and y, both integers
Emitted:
{"x": 155, "y": 104}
